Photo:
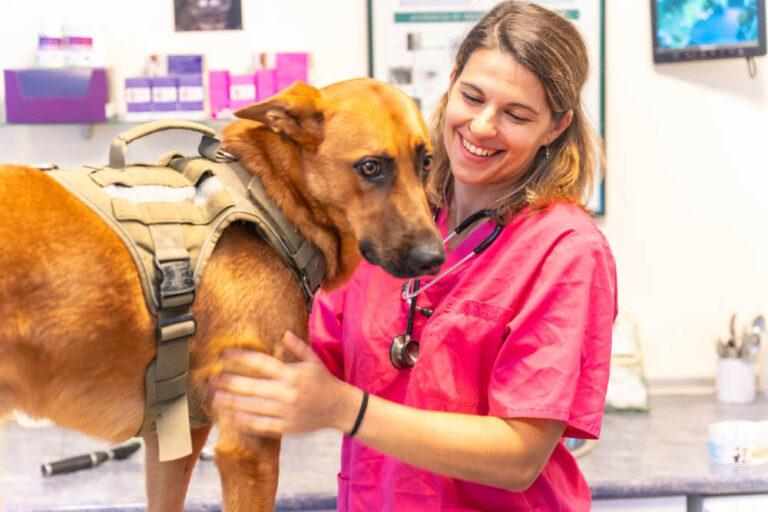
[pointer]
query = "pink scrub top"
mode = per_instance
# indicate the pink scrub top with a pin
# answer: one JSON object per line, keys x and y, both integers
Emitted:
{"x": 521, "y": 331}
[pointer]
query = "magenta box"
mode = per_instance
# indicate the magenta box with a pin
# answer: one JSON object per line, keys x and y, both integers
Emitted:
{"x": 218, "y": 92}
{"x": 242, "y": 90}
{"x": 67, "y": 95}
{"x": 266, "y": 84}
{"x": 291, "y": 67}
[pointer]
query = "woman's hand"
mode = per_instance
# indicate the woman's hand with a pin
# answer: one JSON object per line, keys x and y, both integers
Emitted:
{"x": 268, "y": 397}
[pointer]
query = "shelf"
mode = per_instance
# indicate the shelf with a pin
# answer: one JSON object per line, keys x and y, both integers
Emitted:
{"x": 88, "y": 128}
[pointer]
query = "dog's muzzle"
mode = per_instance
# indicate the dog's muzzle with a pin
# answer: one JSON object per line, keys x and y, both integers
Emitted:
{"x": 423, "y": 258}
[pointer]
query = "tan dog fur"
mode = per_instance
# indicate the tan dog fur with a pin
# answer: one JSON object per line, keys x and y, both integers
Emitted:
{"x": 75, "y": 333}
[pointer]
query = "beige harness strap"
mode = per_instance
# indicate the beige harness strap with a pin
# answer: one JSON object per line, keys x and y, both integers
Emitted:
{"x": 119, "y": 147}
{"x": 175, "y": 325}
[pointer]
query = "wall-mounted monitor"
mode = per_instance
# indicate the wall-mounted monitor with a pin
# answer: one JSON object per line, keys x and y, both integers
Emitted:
{"x": 707, "y": 29}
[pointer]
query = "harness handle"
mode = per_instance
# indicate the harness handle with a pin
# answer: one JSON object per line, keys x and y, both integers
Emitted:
{"x": 208, "y": 147}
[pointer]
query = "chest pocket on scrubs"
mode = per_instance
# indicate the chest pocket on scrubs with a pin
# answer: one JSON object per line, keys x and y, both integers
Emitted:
{"x": 458, "y": 348}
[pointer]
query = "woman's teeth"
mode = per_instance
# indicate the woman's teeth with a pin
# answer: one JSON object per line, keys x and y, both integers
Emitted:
{"x": 476, "y": 150}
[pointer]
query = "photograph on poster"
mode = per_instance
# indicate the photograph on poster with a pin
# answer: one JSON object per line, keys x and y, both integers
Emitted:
{"x": 207, "y": 15}
{"x": 414, "y": 43}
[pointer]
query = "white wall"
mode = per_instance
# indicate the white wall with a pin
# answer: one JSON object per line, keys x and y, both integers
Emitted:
{"x": 687, "y": 192}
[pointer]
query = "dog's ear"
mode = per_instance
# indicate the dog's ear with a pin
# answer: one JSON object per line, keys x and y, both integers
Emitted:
{"x": 295, "y": 112}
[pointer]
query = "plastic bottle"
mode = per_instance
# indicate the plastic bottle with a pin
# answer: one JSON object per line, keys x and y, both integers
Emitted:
{"x": 78, "y": 45}
{"x": 50, "y": 52}
{"x": 763, "y": 367}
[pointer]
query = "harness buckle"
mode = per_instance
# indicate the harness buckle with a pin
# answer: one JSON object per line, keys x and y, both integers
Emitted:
{"x": 173, "y": 328}
{"x": 177, "y": 283}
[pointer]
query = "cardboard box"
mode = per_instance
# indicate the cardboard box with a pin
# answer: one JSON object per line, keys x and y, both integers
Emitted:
{"x": 185, "y": 65}
{"x": 218, "y": 94}
{"x": 165, "y": 95}
{"x": 66, "y": 95}
{"x": 191, "y": 96}
{"x": 138, "y": 99}
{"x": 291, "y": 67}
{"x": 266, "y": 84}
{"x": 242, "y": 91}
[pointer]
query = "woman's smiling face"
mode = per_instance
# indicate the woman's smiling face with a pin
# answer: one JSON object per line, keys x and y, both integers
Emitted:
{"x": 510, "y": 119}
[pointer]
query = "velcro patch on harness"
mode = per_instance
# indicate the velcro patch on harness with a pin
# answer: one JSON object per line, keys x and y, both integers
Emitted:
{"x": 195, "y": 195}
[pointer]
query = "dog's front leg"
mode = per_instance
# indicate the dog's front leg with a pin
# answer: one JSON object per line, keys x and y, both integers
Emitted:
{"x": 167, "y": 481}
{"x": 248, "y": 466}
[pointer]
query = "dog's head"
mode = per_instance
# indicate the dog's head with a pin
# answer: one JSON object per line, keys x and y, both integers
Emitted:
{"x": 364, "y": 149}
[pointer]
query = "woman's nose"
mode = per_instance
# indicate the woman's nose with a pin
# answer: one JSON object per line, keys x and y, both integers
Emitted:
{"x": 484, "y": 125}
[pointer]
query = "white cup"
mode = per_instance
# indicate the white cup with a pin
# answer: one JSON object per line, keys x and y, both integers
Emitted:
{"x": 736, "y": 381}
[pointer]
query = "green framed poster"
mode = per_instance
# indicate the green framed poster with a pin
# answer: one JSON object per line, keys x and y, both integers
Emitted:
{"x": 412, "y": 44}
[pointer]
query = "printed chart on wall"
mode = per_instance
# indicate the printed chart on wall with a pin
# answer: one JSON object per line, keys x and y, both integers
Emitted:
{"x": 413, "y": 44}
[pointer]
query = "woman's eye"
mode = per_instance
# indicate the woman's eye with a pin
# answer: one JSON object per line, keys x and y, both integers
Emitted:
{"x": 427, "y": 163}
{"x": 369, "y": 168}
{"x": 470, "y": 98}
{"x": 517, "y": 118}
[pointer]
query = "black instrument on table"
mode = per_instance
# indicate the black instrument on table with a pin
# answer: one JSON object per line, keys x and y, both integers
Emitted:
{"x": 90, "y": 460}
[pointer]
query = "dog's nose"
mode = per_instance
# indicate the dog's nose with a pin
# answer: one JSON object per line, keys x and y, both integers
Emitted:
{"x": 427, "y": 257}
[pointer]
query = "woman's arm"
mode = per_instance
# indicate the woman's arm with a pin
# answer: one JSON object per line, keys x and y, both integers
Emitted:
{"x": 506, "y": 453}
{"x": 269, "y": 397}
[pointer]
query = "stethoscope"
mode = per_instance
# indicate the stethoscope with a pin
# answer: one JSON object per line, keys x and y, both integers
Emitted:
{"x": 404, "y": 350}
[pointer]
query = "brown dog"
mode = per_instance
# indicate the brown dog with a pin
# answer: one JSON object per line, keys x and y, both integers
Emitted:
{"x": 343, "y": 163}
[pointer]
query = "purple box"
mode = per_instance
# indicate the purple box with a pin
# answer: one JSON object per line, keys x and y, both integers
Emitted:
{"x": 291, "y": 67}
{"x": 68, "y": 95}
{"x": 218, "y": 94}
{"x": 165, "y": 94}
{"x": 185, "y": 65}
{"x": 138, "y": 95}
{"x": 191, "y": 92}
{"x": 266, "y": 84}
{"x": 242, "y": 90}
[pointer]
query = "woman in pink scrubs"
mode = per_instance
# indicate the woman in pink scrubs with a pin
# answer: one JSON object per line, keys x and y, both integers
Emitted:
{"x": 515, "y": 353}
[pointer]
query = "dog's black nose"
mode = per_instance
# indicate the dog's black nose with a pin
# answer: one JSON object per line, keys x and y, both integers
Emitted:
{"x": 427, "y": 257}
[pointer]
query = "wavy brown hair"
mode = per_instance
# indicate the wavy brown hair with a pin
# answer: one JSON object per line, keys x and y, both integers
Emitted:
{"x": 552, "y": 49}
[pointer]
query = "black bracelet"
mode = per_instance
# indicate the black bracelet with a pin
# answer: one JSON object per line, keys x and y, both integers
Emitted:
{"x": 360, "y": 415}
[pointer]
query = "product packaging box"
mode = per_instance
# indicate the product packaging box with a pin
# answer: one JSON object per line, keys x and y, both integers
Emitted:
{"x": 188, "y": 70}
{"x": 66, "y": 95}
{"x": 185, "y": 65}
{"x": 242, "y": 91}
{"x": 291, "y": 67}
{"x": 165, "y": 96}
{"x": 191, "y": 105}
{"x": 138, "y": 99}
{"x": 218, "y": 94}
{"x": 266, "y": 84}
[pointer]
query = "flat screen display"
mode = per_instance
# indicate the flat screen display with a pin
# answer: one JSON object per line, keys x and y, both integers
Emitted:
{"x": 707, "y": 29}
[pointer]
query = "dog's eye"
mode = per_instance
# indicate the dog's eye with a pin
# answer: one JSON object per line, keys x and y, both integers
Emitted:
{"x": 369, "y": 168}
{"x": 427, "y": 163}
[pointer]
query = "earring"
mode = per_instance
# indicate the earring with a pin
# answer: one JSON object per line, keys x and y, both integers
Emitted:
{"x": 546, "y": 152}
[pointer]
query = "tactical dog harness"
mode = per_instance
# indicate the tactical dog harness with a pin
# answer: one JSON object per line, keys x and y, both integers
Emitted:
{"x": 170, "y": 215}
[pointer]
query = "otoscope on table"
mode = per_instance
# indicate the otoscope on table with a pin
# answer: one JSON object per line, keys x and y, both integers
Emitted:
{"x": 90, "y": 460}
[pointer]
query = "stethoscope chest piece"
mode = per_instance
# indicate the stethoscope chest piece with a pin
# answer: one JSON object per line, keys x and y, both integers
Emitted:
{"x": 403, "y": 352}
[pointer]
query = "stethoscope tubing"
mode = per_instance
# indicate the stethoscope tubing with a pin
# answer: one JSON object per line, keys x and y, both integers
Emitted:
{"x": 407, "y": 295}
{"x": 404, "y": 350}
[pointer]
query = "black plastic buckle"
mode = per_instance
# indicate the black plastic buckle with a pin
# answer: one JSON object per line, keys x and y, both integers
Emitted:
{"x": 175, "y": 279}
